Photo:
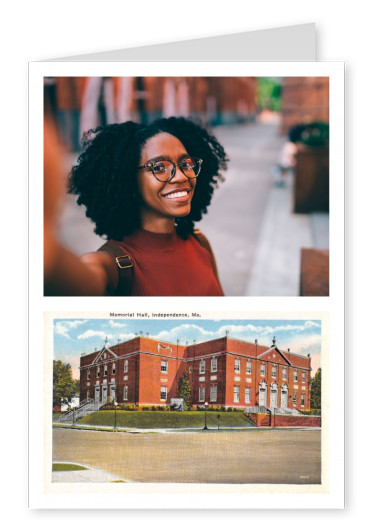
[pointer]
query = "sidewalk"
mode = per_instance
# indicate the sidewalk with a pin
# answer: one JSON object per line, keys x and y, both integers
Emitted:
{"x": 276, "y": 266}
{"x": 179, "y": 430}
{"x": 90, "y": 475}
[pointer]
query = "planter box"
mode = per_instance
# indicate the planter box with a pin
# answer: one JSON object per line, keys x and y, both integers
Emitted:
{"x": 314, "y": 273}
{"x": 311, "y": 187}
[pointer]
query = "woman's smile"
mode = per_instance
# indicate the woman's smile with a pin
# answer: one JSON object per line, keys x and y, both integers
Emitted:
{"x": 179, "y": 195}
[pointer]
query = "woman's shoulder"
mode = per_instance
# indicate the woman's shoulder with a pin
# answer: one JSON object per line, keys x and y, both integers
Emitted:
{"x": 202, "y": 239}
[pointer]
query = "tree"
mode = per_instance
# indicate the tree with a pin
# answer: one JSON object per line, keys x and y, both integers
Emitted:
{"x": 184, "y": 390}
{"x": 269, "y": 93}
{"x": 63, "y": 383}
{"x": 316, "y": 390}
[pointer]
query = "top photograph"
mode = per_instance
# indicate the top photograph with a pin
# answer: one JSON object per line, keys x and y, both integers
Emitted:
{"x": 186, "y": 186}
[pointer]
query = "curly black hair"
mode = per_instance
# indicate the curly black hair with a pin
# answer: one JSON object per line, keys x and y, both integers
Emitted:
{"x": 105, "y": 176}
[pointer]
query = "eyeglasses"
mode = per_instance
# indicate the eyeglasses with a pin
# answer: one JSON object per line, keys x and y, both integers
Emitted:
{"x": 165, "y": 170}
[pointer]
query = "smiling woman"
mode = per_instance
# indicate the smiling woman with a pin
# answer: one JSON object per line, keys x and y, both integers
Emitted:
{"x": 144, "y": 187}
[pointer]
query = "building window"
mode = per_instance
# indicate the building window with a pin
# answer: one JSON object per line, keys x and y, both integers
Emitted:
{"x": 202, "y": 367}
{"x": 113, "y": 368}
{"x": 126, "y": 366}
{"x": 303, "y": 377}
{"x": 302, "y": 401}
{"x": 236, "y": 393}
{"x": 163, "y": 393}
{"x": 294, "y": 399}
{"x": 262, "y": 369}
{"x": 105, "y": 370}
{"x": 295, "y": 376}
{"x": 201, "y": 394}
{"x": 214, "y": 365}
{"x": 237, "y": 365}
{"x": 247, "y": 395}
{"x": 249, "y": 367}
{"x": 98, "y": 371}
{"x": 126, "y": 393}
{"x": 88, "y": 374}
{"x": 274, "y": 372}
{"x": 164, "y": 366}
{"x": 284, "y": 373}
{"x": 213, "y": 393}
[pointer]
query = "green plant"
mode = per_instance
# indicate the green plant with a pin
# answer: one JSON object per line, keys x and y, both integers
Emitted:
{"x": 316, "y": 390}
{"x": 315, "y": 134}
{"x": 184, "y": 390}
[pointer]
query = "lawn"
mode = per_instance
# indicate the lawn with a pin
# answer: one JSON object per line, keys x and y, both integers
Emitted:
{"x": 165, "y": 419}
{"x": 59, "y": 467}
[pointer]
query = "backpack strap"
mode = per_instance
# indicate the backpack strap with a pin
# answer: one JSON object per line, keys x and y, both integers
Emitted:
{"x": 124, "y": 266}
{"x": 204, "y": 242}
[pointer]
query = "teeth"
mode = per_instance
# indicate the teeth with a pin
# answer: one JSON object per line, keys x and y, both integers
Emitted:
{"x": 177, "y": 194}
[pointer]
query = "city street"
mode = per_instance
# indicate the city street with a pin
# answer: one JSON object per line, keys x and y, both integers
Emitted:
{"x": 257, "y": 456}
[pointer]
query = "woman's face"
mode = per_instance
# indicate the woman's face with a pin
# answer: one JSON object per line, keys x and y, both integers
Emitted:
{"x": 162, "y": 202}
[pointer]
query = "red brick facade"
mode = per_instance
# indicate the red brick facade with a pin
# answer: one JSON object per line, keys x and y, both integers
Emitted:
{"x": 222, "y": 372}
{"x": 304, "y": 100}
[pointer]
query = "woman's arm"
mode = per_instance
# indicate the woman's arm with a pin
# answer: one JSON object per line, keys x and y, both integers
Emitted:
{"x": 64, "y": 272}
{"x": 67, "y": 274}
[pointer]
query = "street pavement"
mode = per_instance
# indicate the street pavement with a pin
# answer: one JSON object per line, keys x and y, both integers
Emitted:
{"x": 207, "y": 456}
{"x": 254, "y": 233}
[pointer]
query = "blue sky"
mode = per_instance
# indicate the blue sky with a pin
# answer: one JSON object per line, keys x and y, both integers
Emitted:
{"x": 72, "y": 337}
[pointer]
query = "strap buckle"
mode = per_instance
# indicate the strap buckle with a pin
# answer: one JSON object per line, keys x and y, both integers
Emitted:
{"x": 129, "y": 259}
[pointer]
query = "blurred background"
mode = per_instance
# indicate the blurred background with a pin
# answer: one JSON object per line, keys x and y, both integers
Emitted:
{"x": 268, "y": 222}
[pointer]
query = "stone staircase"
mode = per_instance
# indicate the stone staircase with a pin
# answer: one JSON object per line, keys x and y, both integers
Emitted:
{"x": 85, "y": 408}
{"x": 277, "y": 411}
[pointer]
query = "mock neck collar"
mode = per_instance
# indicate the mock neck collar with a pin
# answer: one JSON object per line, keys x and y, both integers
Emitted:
{"x": 153, "y": 241}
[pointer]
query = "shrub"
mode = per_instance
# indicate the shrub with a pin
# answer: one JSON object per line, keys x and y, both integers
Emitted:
{"x": 314, "y": 412}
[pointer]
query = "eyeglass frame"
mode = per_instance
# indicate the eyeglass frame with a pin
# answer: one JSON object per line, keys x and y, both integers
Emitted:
{"x": 173, "y": 171}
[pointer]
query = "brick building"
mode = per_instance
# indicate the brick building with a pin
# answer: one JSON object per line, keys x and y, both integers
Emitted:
{"x": 304, "y": 100}
{"x": 222, "y": 372}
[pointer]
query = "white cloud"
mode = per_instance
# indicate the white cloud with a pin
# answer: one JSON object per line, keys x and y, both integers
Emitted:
{"x": 63, "y": 327}
{"x": 113, "y": 324}
{"x": 95, "y": 333}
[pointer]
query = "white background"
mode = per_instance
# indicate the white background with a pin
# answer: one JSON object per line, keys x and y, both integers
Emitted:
{"x": 43, "y": 29}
